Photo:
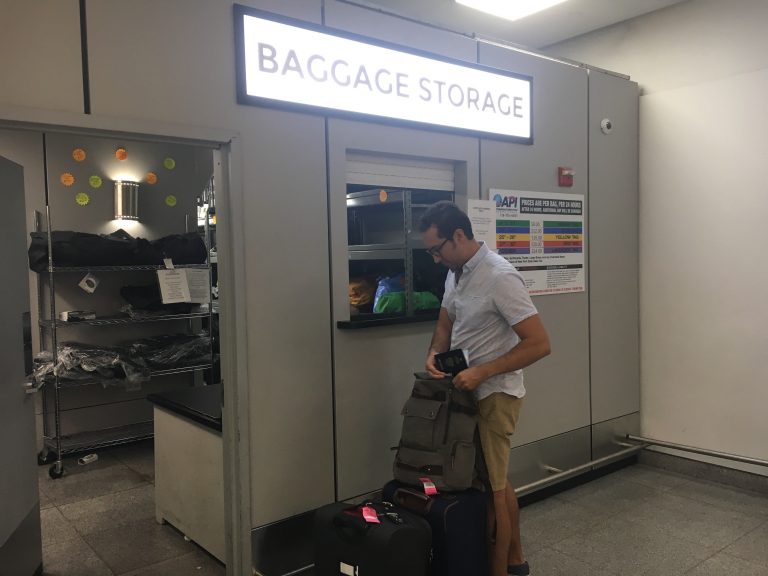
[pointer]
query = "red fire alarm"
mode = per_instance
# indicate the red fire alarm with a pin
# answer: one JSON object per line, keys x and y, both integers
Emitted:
{"x": 565, "y": 176}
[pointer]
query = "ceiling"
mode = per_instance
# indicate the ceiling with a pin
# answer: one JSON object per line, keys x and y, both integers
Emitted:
{"x": 561, "y": 22}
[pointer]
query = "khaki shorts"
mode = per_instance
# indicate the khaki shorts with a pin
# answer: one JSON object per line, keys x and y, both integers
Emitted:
{"x": 497, "y": 419}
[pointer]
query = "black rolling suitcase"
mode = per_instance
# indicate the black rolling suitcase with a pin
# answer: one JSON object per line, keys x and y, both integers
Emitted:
{"x": 459, "y": 526}
{"x": 345, "y": 544}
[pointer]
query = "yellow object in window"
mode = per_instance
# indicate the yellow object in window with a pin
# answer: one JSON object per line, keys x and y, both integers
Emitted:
{"x": 361, "y": 291}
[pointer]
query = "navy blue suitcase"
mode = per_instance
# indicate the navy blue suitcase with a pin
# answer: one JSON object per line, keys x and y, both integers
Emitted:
{"x": 459, "y": 527}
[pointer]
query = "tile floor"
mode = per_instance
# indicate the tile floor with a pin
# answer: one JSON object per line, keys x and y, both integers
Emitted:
{"x": 98, "y": 520}
{"x": 644, "y": 520}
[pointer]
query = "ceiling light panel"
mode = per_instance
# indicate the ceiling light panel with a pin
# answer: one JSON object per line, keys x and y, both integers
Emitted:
{"x": 510, "y": 9}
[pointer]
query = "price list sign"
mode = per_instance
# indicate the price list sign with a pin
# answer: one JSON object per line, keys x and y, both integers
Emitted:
{"x": 542, "y": 234}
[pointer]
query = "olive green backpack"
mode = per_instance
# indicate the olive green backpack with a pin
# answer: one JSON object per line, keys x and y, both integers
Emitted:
{"x": 437, "y": 443}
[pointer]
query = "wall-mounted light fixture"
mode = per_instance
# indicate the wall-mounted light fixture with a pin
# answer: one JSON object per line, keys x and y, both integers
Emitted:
{"x": 126, "y": 200}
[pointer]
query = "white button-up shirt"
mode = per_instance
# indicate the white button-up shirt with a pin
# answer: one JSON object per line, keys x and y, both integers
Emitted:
{"x": 490, "y": 298}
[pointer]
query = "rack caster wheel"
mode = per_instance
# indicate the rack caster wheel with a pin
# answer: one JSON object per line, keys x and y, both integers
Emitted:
{"x": 45, "y": 458}
{"x": 56, "y": 471}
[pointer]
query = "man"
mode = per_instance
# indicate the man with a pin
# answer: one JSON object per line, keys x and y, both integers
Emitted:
{"x": 486, "y": 310}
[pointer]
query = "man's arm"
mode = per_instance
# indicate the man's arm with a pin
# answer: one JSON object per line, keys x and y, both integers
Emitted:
{"x": 441, "y": 342}
{"x": 533, "y": 345}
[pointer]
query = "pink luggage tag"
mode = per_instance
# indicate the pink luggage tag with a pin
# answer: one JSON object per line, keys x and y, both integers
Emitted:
{"x": 429, "y": 486}
{"x": 370, "y": 515}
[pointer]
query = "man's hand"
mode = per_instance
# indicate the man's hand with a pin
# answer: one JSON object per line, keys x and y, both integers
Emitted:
{"x": 441, "y": 341}
{"x": 470, "y": 378}
{"x": 432, "y": 368}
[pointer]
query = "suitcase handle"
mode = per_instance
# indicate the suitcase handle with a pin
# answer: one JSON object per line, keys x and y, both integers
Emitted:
{"x": 413, "y": 500}
{"x": 350, "y": 527}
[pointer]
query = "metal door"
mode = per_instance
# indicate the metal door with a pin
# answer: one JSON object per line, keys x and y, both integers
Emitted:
{"x": 20, "y": 541}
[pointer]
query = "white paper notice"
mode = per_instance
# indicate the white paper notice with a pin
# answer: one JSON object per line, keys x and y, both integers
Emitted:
{"x": 184, "y": 285}
{"x": 173, "y": 286}
{"x": 199, "y": 285}
{"x": 482, "y": 216}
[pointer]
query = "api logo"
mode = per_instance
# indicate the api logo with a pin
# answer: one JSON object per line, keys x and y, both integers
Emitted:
{"x": 505, "y": 201}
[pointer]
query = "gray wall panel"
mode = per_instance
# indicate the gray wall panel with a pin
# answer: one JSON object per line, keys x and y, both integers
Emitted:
{"x": 529, "y": 463}
{"x": 26, "y": 149}
{"x": 17, "y": 422}
{"x": 557, "y": 397}
{"x": 172, "y": 61}
{"x": 288, "y": 314}
{"x": 608, "y": 436}
{"x": 557, "y": 388}
{"x": 40, "y": 57}
{"x": 374, "y": 376}
{"x": 613, "y": 247}
{"x": 374, "y": 367}
{"x": 378, "y": 25}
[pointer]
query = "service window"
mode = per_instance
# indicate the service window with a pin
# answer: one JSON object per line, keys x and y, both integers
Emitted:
{"x": 390, "y": 274}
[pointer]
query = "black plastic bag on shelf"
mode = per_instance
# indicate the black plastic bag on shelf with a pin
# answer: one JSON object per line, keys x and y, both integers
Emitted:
{"x": 76, "y": 249}
{"x": 182, "y": 248}
{"x": 42, "y": 367}
{"x": 84, "y": 363}
{"x": 146, "y": 254}
{"x": 173, "y": 350}
{"x": 80, "y": 249}
{"x": 149, "y": 298}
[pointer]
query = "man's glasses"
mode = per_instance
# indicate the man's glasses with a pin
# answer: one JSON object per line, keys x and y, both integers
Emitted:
{"x": 435, "y": 250}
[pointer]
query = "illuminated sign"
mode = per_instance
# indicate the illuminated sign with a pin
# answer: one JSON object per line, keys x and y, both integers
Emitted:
{"x": 287, "y": 62}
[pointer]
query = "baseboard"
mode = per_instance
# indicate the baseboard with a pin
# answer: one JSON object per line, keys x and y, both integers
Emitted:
{"x": 575, "y": 481}
{"x": 706, "y": 471}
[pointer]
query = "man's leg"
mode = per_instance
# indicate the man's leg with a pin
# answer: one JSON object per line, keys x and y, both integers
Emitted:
{"x": 499, "y": 557}
{"x": 508, "y": 548}
{"x": 515, "y": 555}
{"x": 498, "y": 416}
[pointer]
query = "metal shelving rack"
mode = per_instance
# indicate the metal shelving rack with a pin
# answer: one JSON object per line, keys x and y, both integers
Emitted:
{"x": 120, "y": 320}
{"x": 404, "y": 235}
{"x": 57, "y": 445}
